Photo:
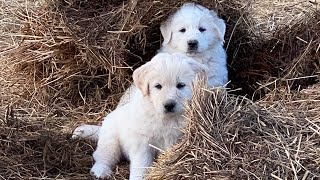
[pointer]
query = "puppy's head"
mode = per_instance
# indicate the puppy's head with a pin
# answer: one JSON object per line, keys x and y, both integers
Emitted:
{"x": 193, "y": 29}
{"x": 166, "y": 81}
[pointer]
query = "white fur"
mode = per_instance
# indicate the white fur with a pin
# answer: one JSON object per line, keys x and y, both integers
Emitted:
{"x": 144, "y": 120}
{"x": 210, "y": 51}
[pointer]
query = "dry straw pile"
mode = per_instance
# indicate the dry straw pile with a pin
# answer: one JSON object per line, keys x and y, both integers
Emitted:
{"x": 231, "y": 137}
{"x": 67, "y": 62}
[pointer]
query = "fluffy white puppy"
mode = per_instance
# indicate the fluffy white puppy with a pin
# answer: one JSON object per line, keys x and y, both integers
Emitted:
{"x": 152, "y": 115}
{"x": 199, "y": 33}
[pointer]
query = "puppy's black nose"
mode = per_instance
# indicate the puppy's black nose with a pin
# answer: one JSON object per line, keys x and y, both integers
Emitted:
{"x": 193, "y": 44}
{"x": 169, "y": 106}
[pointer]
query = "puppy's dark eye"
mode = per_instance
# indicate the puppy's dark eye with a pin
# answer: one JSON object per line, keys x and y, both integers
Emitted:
{"x": 180, "y": 85}
{"x": 201, "y": 29}
{"x": 182, "y": 30}
{"x": 158, "y": 86}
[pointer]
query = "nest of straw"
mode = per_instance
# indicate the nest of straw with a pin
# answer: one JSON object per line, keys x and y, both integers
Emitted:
{"x": 66, "y": 62}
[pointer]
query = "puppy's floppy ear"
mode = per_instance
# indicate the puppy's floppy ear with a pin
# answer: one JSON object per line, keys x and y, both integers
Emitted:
{"x": 220, "y": 25}
{"x": 140, "y": 78}
{"x": 166, "y": 31}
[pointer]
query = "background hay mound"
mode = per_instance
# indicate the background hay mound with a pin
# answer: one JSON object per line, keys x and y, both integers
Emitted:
{"x": 230, "y": 137}
{"x": 281, "y": 42}
{"x": 67, "y": 54}
{"x": 79, "y": 53}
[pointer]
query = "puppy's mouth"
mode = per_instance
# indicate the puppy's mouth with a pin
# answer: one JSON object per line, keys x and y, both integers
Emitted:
{"x": 192, "y": 52}
{"x": 173, "y": 112}
{"x": 169, "y": 111}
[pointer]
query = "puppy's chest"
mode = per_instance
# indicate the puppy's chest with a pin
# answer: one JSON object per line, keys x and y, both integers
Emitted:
{"x": 165, "y": 135}
{"x": 203, "y": 59}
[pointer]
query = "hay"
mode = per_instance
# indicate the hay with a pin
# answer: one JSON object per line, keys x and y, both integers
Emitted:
{"x": 82, "y": 54}
{"x": 61, "y": 64}
{"x": 230, "y": 137}
{"x": 37, "y": 148}
{"x": 261, "y": 54}
{"x": 67, "y": 62}
{"x": 272, "y": 15}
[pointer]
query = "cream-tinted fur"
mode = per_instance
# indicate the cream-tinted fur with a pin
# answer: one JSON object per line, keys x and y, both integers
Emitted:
{"x": 144, "y": 120}
{"x": 192, "y": 17}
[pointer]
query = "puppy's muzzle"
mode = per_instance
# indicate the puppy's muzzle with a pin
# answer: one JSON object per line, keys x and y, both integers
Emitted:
{"x": 169, "y": 106}
{"x": 193, "y": 45}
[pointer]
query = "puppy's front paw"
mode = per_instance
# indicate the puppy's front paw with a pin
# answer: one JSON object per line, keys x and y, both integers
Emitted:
{"x": 100, "y": 171}
{"x": 78, "y": 132}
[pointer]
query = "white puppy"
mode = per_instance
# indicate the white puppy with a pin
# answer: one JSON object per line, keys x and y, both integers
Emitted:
{"x": 152, "y": 115}
{"x": 199, "y": 33}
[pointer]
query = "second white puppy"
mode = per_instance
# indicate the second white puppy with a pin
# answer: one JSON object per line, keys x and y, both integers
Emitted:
{"x": 152, "y": 115}
{"x": 199, "y": 33}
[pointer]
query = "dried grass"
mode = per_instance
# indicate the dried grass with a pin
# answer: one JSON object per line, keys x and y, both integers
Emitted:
{"x": 285, "y": 47}
{"x": 231, "y": 137}
{"x": 67, "y": 62}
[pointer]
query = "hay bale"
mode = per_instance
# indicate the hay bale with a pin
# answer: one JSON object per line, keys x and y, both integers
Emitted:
{"x": 230, "y": 137}
{"x": 63, "y": 65}
{"x": 81, "y": 53}
{"x": 281, "y": 41}
{"x": 273, "y": 15}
